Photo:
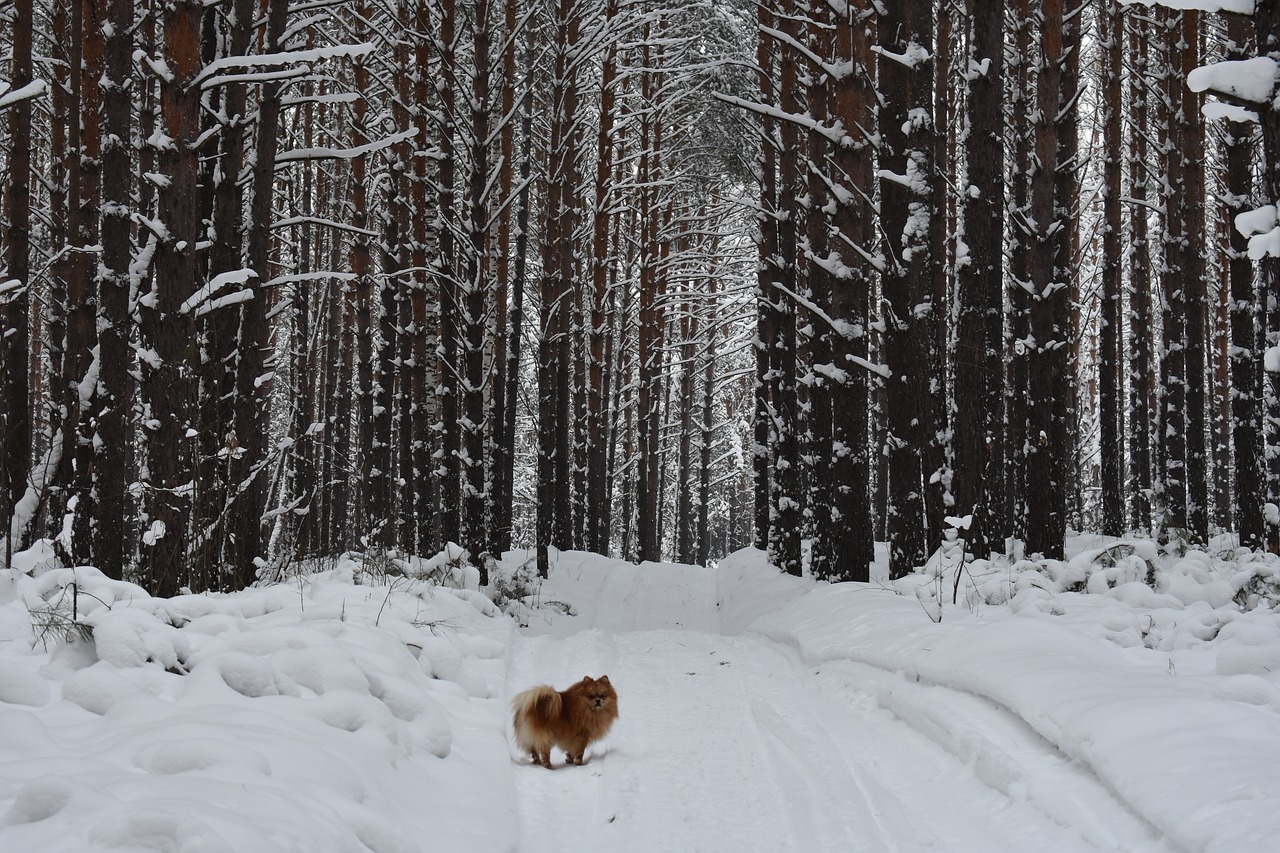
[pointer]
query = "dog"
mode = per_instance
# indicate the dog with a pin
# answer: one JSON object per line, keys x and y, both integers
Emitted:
{"x": 571, "y": 719}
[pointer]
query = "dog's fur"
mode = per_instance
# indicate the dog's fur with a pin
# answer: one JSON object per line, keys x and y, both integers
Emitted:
{"x": 570, "y": 719}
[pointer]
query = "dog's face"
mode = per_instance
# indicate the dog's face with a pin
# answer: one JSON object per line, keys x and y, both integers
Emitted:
{"x": 597, "y": 693}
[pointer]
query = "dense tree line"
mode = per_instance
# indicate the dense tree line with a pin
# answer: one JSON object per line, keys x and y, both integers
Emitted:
{"x": 1044, "y": 315}
{"x": 658, "y": 279}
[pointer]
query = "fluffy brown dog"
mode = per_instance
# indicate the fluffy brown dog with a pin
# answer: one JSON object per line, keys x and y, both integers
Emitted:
{"x": 570, "y": 719}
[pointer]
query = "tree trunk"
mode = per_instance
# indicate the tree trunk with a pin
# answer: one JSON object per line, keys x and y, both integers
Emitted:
{"x": 852, "y": 102}
{"x": 785, "y": 500}
{"x": 168, "y": 332}
{"x": 1195, "y": 283}
{"x": 978, "y": 365}
{"x": 114, "y": 352}
{"x": 253, "y": 378}
{"x": 601, "y": 261}
{"x": 1050, "y": 321}
{"x": 1142, "y": 415}
{"x": 907, "y": 176}
{"x": 473, "y": 300}
{"x": 15, "y": 279}
{"x": 1246, "y": 389}
{"x": 1110, "y": 411}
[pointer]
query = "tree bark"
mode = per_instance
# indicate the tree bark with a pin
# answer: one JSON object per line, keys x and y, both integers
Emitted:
{"x": 168, "y": 332}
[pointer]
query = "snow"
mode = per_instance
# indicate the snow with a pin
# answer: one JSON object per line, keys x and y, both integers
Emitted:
{"x": 1271, "y": 360}
{"x": 34, "y": 89}
{"x": 1239, "y": 7}
{"x": 1252, "y": 80}
{"x": 1231, "y": 112}
{"x": 1126, "y": 699}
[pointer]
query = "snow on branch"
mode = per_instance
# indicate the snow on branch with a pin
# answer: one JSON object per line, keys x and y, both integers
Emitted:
{"x": 332, "y": 98}
{"x": 34, "y": 89}
{"x": 272, "y": 76}
{"x": 286, "y": 57}
{"x": 1237, "y": 7}
{"x": 1262, "y": 227}
{"x": 326, "y": 223}
{"x": 323, "y": 275}
{"x": 218, "y": 282}
{"x": 837, "y": 72}
{"x": 345, "y": 153}
{"x": 1231, "y": 112}
{"x": 1252, "y": 80}
{"x": 807, "y": 122}
{"x": 914, "y": 55}
{"x": 9, "y": 289}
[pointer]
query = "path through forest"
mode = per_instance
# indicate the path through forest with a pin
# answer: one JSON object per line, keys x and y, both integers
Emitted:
{"x": 729, "y": 743}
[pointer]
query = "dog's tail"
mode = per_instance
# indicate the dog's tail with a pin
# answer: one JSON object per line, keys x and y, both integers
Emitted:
{"x": 541, "y": 702}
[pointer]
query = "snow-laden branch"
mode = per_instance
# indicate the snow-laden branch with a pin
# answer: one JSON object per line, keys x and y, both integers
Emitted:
{"x": 235, "y": 298}
{"x": 326, "y": 223}
{"x": 806, "y": 121}
{"x": 1251, "y": 80}
{"x": 34, "y": 89}
{"x": 323, "y": 275}
{"x": 838, "y": 326}
{"x": 275, "y": 75}
{"x": 285, "y": 57}
{"x": 914, "y": 55}
{"x": 1230, "y": 112}
{"x": 836, "y": 72}
{"x": 1262, "y": 227}
{"x": 345, "y": 153}
{"x": 197, "y": 299}
{"x": 331, "y": 98}
{"x": 1237, "y": 7}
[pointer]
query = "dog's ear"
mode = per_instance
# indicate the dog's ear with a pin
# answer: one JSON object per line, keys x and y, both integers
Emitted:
{"x": 604, "y": 679}
{"x": 586, "y": 679}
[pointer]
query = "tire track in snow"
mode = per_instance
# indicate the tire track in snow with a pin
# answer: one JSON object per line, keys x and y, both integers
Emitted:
{"x": 1004, "y": 753}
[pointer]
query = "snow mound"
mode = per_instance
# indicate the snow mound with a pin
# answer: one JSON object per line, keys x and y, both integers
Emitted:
{"x": 316, "y": 714}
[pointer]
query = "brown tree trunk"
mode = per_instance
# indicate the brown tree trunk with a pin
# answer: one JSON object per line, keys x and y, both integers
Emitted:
{"x": 822, "y": 380}
{"x": 15, "y": 284}
{"x": 601, "y": 261}
{"x": 553, "y": 511}
{"x": 652, "y": 313}
{"x": 852, "y": 102}
{"x": 473, "y": 291}
{"x": 978, "y": 365}
{"x": 168, "y": 332}
{"x": 786, "y": 497}
{"x": 1142, "y": 415}
{"x": 766, "y": 326}
{"x": 1050, "y": 321}
{"x": 253, "y": 385}
{"x": 908, "y": 26}
{"x": 114, "y": 323}
{"x": 1246, "y": 387}
{"x": 420, "y": 427}
{"x": 1110, "y": 411}
{"x": 447, "y": 289}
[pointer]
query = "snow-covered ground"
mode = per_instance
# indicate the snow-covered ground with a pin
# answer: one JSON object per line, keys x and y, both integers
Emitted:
{"x": 1127, "y": 700}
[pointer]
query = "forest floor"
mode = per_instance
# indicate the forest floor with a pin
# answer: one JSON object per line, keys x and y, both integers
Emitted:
{"x": 1053, "y": 707}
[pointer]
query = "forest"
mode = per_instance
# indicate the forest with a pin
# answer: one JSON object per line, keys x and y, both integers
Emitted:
{"x": 657, "y": 279}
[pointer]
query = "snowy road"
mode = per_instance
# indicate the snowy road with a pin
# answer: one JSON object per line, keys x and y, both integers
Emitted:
{"x": 729, "y": 743}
